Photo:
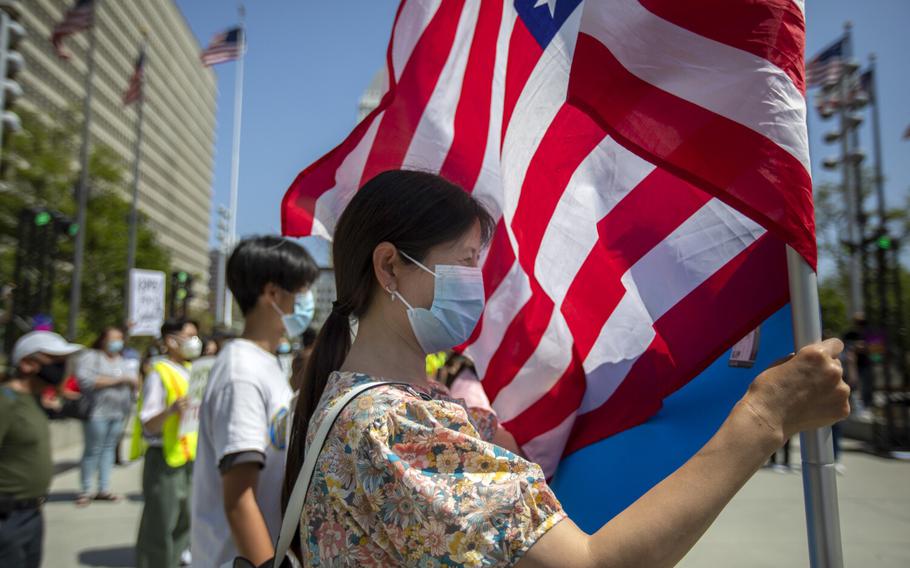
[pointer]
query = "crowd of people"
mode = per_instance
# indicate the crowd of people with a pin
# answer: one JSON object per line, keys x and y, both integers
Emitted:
{"x": 417, "y": 470}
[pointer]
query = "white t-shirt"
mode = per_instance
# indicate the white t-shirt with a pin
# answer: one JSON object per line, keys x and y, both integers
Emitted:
{"x": 244, "y": 409}
{"x": 154, "y": 398}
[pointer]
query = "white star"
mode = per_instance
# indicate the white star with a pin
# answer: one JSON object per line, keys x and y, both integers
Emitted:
{"x": 551, "y": 4}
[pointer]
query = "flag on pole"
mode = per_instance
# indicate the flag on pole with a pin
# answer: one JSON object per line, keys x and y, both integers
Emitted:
{"x": 134, "y": 90}
{"x": 826, "y": 67}
{"x": 224, "y": 47}
{"x": 78, "y": 18}
{"x": 647, "y": 162}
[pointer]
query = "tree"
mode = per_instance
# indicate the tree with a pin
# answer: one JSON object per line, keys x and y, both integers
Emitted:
{"x": 41, "y": 170}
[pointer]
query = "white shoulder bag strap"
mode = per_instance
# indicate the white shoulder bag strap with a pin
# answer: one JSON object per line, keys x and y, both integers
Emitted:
{"x": 298, "y": 496}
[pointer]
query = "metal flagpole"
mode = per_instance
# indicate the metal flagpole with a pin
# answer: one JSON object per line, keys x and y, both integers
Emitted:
{"x": 235, "y": 163}
{"x": 852, "y": 190}
{"x": 137, "y": 156}
{"x": 82, "y": 188}
{"x": 816, "y": 446}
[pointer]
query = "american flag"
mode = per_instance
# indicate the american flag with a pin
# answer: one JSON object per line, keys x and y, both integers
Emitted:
{"x": 647, "y": 161}
{"x": 226, "y": 46}
{"x": 78, "y": 18}
{"x": 826, "y": 67}
{"x": 134, "y": 90}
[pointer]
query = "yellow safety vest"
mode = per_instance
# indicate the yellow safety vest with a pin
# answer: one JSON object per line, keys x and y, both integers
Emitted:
{"x": 177, "y": 449}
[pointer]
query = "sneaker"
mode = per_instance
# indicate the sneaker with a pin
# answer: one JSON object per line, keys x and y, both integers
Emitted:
{"x": 840, "y": 468}
{"x": 781, "y": 468}
{"x": 186, "y": 559}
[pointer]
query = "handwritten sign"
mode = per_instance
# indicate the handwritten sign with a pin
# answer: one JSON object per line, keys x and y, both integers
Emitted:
{"x": 146, "y": 302}
{"x": 199, "y": 377}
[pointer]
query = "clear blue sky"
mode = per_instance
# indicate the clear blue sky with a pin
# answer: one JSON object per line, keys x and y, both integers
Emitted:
{"x": 309, "y": 62}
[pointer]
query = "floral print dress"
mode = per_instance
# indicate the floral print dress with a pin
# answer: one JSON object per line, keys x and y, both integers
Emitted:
{"x": 409, "y": 477}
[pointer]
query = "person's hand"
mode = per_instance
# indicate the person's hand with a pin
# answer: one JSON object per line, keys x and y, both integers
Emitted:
{"x": 179, "y": 406}
{"x": 804, "y": 392}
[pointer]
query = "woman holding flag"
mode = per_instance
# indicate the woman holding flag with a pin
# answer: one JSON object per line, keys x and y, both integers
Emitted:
{"x": 407, "y": 476}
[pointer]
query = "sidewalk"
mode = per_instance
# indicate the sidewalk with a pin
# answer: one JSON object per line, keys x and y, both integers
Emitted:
{"x": 762, "y": 527}
{"x": 102, "y": 534}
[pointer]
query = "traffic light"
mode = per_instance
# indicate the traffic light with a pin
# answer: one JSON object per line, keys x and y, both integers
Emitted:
{"x": 38, "y": 242}
{"x": 181, "y": 293}
{"x": 883, "y": 242}
{"x": 11, "y": 63}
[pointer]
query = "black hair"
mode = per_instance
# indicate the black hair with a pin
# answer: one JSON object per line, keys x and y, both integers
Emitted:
{"x": 415, "y": 211}
{"x": 173, "y": 326}
{"x": 308, "y": 337}
{"x": 257, "y": 261}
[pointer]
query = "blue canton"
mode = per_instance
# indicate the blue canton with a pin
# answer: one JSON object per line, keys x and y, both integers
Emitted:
{"x": 543, "y": 24}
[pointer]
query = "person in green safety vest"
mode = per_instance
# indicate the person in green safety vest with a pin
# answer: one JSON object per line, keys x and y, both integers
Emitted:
{"x": 164, "y": 529}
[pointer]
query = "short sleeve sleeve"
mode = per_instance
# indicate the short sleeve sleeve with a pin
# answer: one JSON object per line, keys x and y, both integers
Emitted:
{"x": 440, "y": 491}
{"x": 85, "y": 371}
{"x": 238, "y": 419}
{"x": 154, "y": 399}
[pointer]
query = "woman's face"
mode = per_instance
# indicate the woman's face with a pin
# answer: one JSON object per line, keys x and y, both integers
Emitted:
{"x": 417, "y": 285}
{"x": 112, "y": 336}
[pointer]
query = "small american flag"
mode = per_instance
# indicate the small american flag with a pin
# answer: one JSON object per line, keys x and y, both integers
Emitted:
{"x": 78, "y": 18}
{"x": 826, "y": 67}
{"x": 226, "y": 46}
{"x": 134, "y": 90}
{"x": 647, "y": 161}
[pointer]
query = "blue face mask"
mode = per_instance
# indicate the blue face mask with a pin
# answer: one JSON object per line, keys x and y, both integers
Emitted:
{"x": 284, "y": 348}
{"x": 115, "y": 346}
{"x": 458, "y": 301}
{"x": 304, "y": 309}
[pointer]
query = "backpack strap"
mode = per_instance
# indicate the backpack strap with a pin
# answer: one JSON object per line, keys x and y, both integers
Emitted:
{"x": 298, "y": 496}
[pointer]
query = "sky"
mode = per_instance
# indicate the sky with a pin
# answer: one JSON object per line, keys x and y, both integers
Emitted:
{"x": 309, "y": 62}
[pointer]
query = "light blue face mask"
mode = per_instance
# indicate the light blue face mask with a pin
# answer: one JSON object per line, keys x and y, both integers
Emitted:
{"x": 115, "y": 346}
{"x": 299, "y": 320}
{"x": 458, "y": 300}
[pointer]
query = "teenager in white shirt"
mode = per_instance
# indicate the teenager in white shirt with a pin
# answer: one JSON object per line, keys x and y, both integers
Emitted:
{"x": 243, "y": 418}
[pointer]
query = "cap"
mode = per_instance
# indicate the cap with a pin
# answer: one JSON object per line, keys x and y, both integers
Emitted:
{"x": 42, "y": 342}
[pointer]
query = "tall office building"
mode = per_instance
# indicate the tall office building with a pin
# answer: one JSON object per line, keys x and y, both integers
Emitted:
{"x": 175, "y": 181}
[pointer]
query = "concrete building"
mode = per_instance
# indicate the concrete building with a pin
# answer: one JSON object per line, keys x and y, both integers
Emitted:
{"x": 175, "y": 185}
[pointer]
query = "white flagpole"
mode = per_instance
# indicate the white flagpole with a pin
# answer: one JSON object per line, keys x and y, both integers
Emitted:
{"x": 137, "y": 157}
{"x": 816, "y": 446}
{"x": 235, "y": 164}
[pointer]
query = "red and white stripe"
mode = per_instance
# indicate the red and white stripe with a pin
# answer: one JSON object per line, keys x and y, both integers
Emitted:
{"x": 646, "y": 168}
{"x": 78, "y": 18}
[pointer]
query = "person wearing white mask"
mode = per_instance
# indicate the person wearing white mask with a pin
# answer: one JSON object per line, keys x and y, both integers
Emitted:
{"x": 408, "y": 477}
{"x": 107, "y": 380}
{"x": 245, "y": 407}
{"x": 164, "y": 528}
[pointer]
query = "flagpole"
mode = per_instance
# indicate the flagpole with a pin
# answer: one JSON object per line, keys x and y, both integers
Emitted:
{"x": 235, "y": 163}
{"x": 82, "y": 189}
{"x": 137, "y": 156}
{"x": 816, "y": 446}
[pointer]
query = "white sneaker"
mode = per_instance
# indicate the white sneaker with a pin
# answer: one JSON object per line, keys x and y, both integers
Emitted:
{"x": 840, "y": 468}
{"x": 186, "y": 559}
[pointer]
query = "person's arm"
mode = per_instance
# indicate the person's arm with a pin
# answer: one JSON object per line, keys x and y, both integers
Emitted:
{"x": 662, "y": 526}
{"x": 154, "y": 424}
{"x": 248, "y": 528}
{"x": 239, "y": 430}
{"x": 154, "y": 408}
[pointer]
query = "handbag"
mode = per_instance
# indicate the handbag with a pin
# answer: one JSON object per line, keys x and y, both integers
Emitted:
{"x": 291, "y": 519}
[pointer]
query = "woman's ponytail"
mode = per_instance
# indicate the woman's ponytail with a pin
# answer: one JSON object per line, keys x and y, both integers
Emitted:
{"x": 415, "y": 211}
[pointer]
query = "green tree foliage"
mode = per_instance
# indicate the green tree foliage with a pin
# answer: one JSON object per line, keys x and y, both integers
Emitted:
{"x": 41, "y": 170}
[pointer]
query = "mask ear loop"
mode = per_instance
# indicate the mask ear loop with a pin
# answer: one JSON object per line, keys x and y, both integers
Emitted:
{"x": 395, "y": 295}
{"x": 415, "y": 261}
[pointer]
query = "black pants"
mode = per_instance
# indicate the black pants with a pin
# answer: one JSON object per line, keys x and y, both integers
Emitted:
{"x": 21, "y": 536}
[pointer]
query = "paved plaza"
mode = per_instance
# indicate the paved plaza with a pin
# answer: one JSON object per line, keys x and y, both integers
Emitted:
{"x": 762, "y": 527}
